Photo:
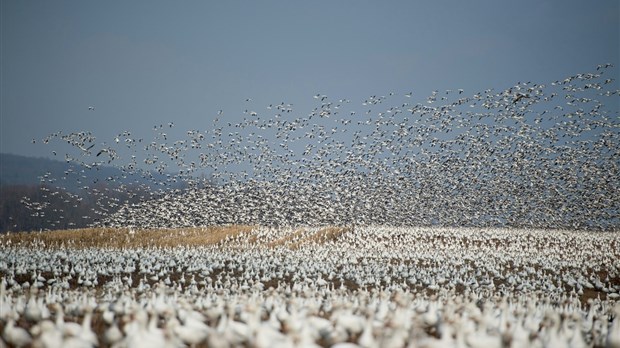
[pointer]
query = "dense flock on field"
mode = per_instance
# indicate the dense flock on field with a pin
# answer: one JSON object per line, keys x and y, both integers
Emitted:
{"x": 457, "y": 219}
{"x": 342, "y": 287}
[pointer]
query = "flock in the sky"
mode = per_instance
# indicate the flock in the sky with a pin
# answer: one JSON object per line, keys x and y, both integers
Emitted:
{"x": 537, "y": 154}
{"x": 532, "y": 155}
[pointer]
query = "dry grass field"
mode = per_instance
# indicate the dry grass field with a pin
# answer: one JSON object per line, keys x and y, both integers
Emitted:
{"x": 126, "y": 237}
{"x": 166, "y": 238}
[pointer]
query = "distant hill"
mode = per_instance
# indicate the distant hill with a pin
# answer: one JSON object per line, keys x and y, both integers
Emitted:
{"x": 40, "y": 193}
{"x": 24, "y": 170}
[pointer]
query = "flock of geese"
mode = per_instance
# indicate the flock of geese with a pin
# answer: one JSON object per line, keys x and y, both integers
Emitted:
{"x": 464, "y": 218}
{"x": 541, "y": 155}
{"x": 279, "y": 287}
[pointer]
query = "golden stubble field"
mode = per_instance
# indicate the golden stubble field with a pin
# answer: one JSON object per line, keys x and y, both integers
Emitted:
{"x": 166, "y": 238}
{"x": 126, "y": 237}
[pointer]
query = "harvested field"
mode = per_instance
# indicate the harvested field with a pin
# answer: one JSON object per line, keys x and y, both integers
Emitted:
{"x": 126, "y": 237}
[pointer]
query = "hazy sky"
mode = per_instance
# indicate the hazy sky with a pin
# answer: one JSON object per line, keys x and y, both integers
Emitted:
{"x": 141, "y": 63}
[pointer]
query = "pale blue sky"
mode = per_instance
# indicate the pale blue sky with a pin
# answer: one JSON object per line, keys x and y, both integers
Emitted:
{"x": 142, "y": 63}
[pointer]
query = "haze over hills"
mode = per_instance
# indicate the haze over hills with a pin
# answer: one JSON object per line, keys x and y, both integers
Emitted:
{"x": 41, "y": 193}
{"x": 25, "y": 170}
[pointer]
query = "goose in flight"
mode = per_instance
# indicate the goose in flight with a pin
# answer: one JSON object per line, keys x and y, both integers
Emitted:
{"x": 519, "y": 97}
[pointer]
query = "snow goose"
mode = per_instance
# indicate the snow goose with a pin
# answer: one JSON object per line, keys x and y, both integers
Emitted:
{"x": 16, "y": 336}
{"x": 47, "y": 335}
{"x": 193, "y": 330}
{"x": 613, "y": 335}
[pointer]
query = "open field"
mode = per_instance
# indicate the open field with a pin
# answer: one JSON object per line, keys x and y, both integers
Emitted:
{"x": 331, "y": 286}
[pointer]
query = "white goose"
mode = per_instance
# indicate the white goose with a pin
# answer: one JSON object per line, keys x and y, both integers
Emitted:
{"x": 613, "y": 335}
{"x": 16, "y": 336}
